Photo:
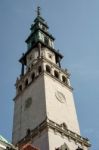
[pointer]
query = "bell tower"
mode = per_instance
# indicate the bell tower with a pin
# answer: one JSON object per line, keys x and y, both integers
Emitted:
{"x": 44, "y": 109}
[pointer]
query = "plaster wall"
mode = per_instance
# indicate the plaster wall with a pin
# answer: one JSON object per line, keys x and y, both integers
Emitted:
{"x": 31, "y": 117}
{"x": 58, "y": 111}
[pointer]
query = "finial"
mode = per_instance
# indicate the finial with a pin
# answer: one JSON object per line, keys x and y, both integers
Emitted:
{"x": 38, "y": 11}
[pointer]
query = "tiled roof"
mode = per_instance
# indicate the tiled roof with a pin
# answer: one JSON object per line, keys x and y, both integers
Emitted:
{"x": 29, "y": 147}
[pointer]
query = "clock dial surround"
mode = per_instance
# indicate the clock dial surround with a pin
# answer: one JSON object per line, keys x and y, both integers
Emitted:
{"x": 60, "y": 97}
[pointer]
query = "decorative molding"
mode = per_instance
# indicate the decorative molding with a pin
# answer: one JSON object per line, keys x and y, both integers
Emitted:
{"x": 49, "y": 124}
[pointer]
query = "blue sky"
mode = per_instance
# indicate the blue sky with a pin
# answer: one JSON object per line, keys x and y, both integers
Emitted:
{"x": 75, "y": 25}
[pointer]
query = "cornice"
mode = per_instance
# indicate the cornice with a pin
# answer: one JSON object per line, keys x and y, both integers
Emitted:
{"x": 49, "y": 124}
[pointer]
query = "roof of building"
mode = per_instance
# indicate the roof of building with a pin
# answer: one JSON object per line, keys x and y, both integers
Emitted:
{"x": 4, "y": 140}
{"x": 29, "y": 147}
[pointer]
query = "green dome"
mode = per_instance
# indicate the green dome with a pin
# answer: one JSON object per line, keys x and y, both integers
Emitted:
{"x": 4, "y": 140}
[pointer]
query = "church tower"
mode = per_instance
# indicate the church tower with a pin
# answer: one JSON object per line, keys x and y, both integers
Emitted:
{"x": 44, "y": 109}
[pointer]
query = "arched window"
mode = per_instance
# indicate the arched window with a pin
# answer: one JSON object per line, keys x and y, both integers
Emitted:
{"x": 39, "y": 69}
{"x": 48, "y": 69}
{"x": 56, "y": 74}
{"x": 64, "y": 79}
{"x": 20, "y": 88}
{"x": 26, "y": 82}
{"x": 33, "y": 76}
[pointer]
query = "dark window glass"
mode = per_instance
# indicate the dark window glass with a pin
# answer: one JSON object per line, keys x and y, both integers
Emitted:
{"x": 79, "y": 148}
{"x": 64, "y": 79}
{"x": 26, "y": 83}
{"x": 28, "y": 132}
{"x": 48, "y": 69}
{"x": 56, "y": 74}
{"x": 33, "y": 76}
{"x": 39, "y": 69}
{"x": 20, "y": 88}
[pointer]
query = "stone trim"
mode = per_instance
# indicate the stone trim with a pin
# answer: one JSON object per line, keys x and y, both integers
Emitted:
{"x": 68, "y": 133}
{"x": 49, "y": 124}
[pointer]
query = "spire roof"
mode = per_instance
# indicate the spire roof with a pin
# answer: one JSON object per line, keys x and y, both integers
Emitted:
{"x": 39, "y": 18}
{"x": 40, "y": 34}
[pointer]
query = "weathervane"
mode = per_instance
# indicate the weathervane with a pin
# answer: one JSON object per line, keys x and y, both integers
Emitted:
{"x": 38, "y": 11}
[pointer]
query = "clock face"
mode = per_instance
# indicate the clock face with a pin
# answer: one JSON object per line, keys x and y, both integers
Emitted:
{"x": 28, "y": 102}
{"x": 60, "y": 96}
